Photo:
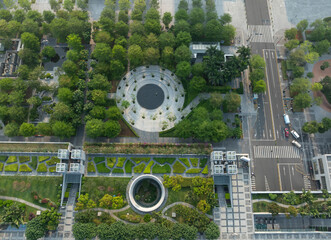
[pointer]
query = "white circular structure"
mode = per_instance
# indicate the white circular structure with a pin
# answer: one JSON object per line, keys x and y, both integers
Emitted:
{"x": 139, "y": 207}
{"x": 166, "y": 114}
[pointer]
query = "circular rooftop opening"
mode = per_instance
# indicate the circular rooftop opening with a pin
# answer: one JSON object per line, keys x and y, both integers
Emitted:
{"x": 146, "y": 193}
{"x": 150, "y": 96}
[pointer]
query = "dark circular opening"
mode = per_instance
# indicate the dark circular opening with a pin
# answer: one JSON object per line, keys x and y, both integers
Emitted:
{"x": 147, "y": 192}
{"x": 150, "y": 96}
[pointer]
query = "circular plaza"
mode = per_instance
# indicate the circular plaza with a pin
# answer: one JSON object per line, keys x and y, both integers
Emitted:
{"x": 150, "y": 98}
{"x": 146, "y": 193}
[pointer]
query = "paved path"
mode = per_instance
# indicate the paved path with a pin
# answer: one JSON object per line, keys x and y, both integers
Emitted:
{"x": 111, "y": 212}
{"x": 184, "y": 204}
{"x": 23, "y": 201}
{"x": 285, "y": 205}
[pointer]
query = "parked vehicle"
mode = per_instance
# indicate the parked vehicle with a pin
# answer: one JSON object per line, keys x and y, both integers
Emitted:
{"x": 295, "y": 143}
{"x": 286, "y": 119}
{"x": 287, "y": 133}
{"x": 295, "y": 134}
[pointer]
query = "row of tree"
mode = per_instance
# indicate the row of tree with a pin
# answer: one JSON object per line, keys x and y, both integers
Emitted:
{"x": 257, "y": 74}
{"x": 314, "y": 126}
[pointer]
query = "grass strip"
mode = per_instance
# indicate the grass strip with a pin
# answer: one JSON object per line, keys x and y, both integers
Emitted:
{"x": 54, "y": 160}
{"x": 118, "y": 170}
{"x": 194, "y": 170}
{"x": 43, "y": 158}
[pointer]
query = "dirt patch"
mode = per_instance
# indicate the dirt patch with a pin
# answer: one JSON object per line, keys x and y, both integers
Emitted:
{"x": 318, "y": 76}
{"x": 125, "y": 130}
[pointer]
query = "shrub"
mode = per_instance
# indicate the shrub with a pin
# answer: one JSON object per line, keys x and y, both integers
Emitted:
{"x": 53, "y": 161}
{"x": 12, "y": 159}
{"x": 98, "y": 159}
{"x": 194, "y": 170}
{"x": 185, "y": 161}
{"x": 212, "y": 231}
{"x": 111, "y": 161}
{"x": 272, "y": 196}
{"x": 11, "y": 168}
{"x": 203, "y": 162}
{"x": 178, "y": 168}
{"x": 149, "y": 166}
{"x": 23, "y": 159}
{"x": 161, "y": 169}
{"x": 118, "y": 170}
{"x": 43, "y": 158}
{"x": 140, "y": 159}
{"x": 102, "y": 168}
{"x": 147, "y": 218}
{"x": 34, "y": 162}
{"x": 25, "y": 168}
{"x": 1, "y": 166}
{"x": 165, "y": 160}
{"x": 120, "y": 162}
{"x": 42, "y": 168}
{"x": 3, "y": 158}
{"x": 205, "y": 170}
{"x": 194, "y": 161}
{"x": 90, "y": 167}
{"x": 52, "y": 169}
{"x": 139, "y": 168}
{"x": 128, "y": 166}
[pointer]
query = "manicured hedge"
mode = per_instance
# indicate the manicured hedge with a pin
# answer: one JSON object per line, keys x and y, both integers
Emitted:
{"x": 53, "y": 161}
{"x": 1, "y": 166}
{"x": 42, "y": 167}
{"x": 161, "y": 169}
{"x": 11, "y": 168}
{"x": 128, "y": 166}
{"x": 102, "y": 168}
{"x": 34, "y": 162}
{"x": 140, "y": 159}
{"x": 205, "y": 170}
{"x": 164, "y": 160}
{"x": 194, "y": 161}
{"x": 118, "y": 170}
{"x": 23, "y": 159}
{"x": 43, "y": 158}
{"x": 139, "y": 168}
{"x": 111, "y": 161}
{"x": 12, "y": 159}
{"x": 25, "y": 168}
{"x": 3, "y": 158}
{"x": 178, "y": 168}
{"x": 120, "y": 161}
{"x": 98, "y": 159}
{"x": 194, "y": 170}
{"x": 52, "y": 169}
{"x": 185, "y": 161}
{"x": 90, "y": 167}
{"x": 203, "y": 162}
{"x": 149, "y": 166}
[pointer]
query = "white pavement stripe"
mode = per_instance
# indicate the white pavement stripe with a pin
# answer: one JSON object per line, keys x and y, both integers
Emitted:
{"x": 260, "y": 33}
{"x": 276, "y": 152}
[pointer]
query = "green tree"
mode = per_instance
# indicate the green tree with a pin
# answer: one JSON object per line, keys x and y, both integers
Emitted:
{"x": 311, "y": 57}
{"x": 181, "y": 26}
{"x": 225, "y": 19}
{"x": 290, "y": 198}
{"x": 316, "y": 87}
{"x": 153, "y": 26}
{"x": 44, "y": 129}
{"x": 137, "y": 27}
{"x": 124, "y": 4}
{"x": 184, "y": 231}
{"x": 112, "y": 129}
{"x": 30, "y": 41}
{"x": 27, "y": 129}
{"x": 119, "y": 53}
{"x": 166, "y": 39}
{"x": 291, "y": 44}
{"x": 232, "y": 101}
{"x": 70, "y": 68}
{"x": 183, "y": 70}
{"x": 183, "y": 4}
{"x": 183, "y": 38}
{"x": 216, "y": 100}
{"x": 298, "y": 71}
{"x": 99, "y": 97}
{"x": 227, "y": 34}
{"x": 116, "y": 69}
{"x": 13, "y": 214}
{"x": 181, "y": 14}
{"x": 292, "y": 211}
{"x": 300, "y": 85}
{"x": 259, "y": 86}
{"x": 203, "y": 206}
{"x": 25, "y": 4}
{"x": 198, "y": 32}
{"x": 291, "y": 33}
{"x": 9, "y": 4}
{"x": 98, "y": 112}
{"x": 63, "y": 129}
{"x": 68, "y": 5}
{"x": 302, "y": 25}
{"x": 322, "y": 47}
{"x": 59, "y": 28}
{"x": 152, "y": 13}
{"x": 48, "y": 52}
{"x": 99, "y": 82}
{"x": 168, "y": 56}
{"x": 213, "y": 30}
{"x": 310, "y": 127}
{"x": 48, "y": 16}
{"x": 35, "y": 229}
{"x": 135, "y": 55}
{"x": 84, "y": 231}
{"x": 212, "y": 231}
{"x": 182, "y": 53}
{"x": 94, "y": 128}
{"x": 102, "y": 52}
{"x": 11, "y": 129}
{"x": 166, "y": 19}
{"x": 121, "y": 29}
{"x": 297, "y": 57}
{"x": 197, "y": 15}
{"x": 151, "y": 56}
{"x": 65, "y": 95}
{"x": 302, "y": 100}
{"x": 325, "y": 65}
{"x": 113, "y": 113}
{"x": 55, "y": 5}
{"x": 307, "y": 197}
{"x": 274, "y": 209}
{"x": 257, "y": 62}
{"x": 74, "y": 42}
{"x": 197, "y": 69}
{"x": 103, "y": 37}
{"x": 198, "y": 83}
{"x": 152, "y": 41}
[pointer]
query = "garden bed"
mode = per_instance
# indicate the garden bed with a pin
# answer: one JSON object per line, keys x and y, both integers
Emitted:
{"x": 31, "y": 147}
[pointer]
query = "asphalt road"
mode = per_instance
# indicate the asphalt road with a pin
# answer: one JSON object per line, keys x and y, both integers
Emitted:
{"x": 271, "y": 174}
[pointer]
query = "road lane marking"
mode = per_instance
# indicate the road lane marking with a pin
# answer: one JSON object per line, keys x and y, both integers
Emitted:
{"x": 277, "y": 134}
{"x": 270, "y": 133}
{"x": 279, "y": 178}
{"x": 290, "y": 178}
{"x": 284, "y": 171}
{"x": 292, "y": 171}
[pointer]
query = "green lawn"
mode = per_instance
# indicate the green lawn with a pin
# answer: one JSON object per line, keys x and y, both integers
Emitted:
{"x": 203, "y": 162}
{"x": 43, "y": 158}
{"x": 120, "y": 162}
{"x": 205, "y": 170}
{"x": 31, "y": 147}
{"x": 161, "y": 169}
{"x": 118, "y": 170}
{"x": 1, "y": 166}
{"x": 139, "y": 168}
{"x": 53, "y": 161}
{"x": 185, "y": 161}
{"x": 42, "y": 167}
{"x": 130, "y": 216}
{"x": 12, "y": 159}
{"x": 22, "y": 186}
{"x": 102, "y": 168}
{"x": 98, "y": 159}
{"x": 97, "y": 187}
{"x": 111, "y": 161}
{"x": 140, "y": 159}
{"x": 3, "y": 158}
{"x": 194, "y": 161}
{"x": 128, "y": 166}
{"x": 263, "y": 207}
{"x": 194, "y": 170}
{"x": 11, "y": 168}
{"x": 34, "y": 162}
{"x": 25, "y": 168}
{"x": 179, "y": 196}
{"x": 23, "y": 159}
{"x": 90, "y": 167}
{"x": 148, "y": 167}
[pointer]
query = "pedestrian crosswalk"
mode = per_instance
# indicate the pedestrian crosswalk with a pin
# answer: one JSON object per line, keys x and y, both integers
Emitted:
{"x": 276, "y": 152}
{"x": 260, "y": 33}
{"x": 306, "y": 183}
{"x": 253, "y": 184}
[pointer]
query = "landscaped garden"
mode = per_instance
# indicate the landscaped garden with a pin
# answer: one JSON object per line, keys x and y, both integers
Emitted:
{"x": 148, "y": 164}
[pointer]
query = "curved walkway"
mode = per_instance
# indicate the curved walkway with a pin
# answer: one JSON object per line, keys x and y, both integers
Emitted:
{"x": 23, "y": 201}
{"x": 285, "y": 205}
{"x": 111, "y": 212}
{"x": 184, "y": 204}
